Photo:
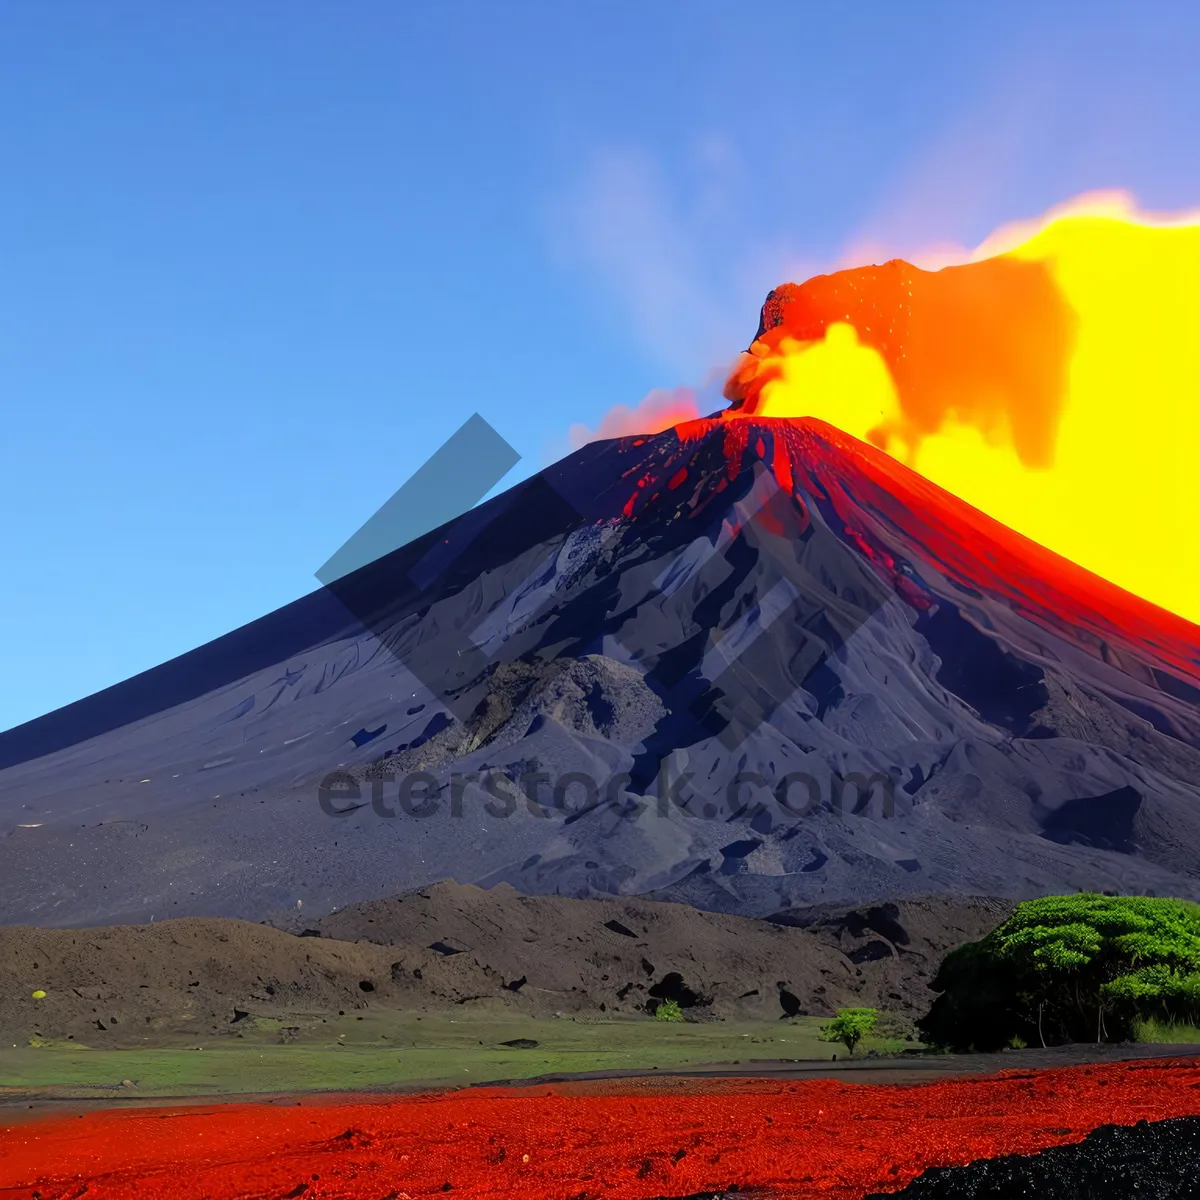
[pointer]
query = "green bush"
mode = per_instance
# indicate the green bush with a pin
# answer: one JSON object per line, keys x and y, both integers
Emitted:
{"x": 1152, "y": 1031}
{"x": 1070, "y": 969}
{"x": 668, "y": 1010}
{"x": 849, "y": 1027}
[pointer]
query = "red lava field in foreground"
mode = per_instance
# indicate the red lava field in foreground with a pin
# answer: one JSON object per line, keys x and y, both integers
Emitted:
{"x": 632, "y": 1139}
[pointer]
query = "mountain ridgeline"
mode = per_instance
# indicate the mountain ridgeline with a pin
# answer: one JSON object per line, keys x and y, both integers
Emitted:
{"x": 746, "y": 663}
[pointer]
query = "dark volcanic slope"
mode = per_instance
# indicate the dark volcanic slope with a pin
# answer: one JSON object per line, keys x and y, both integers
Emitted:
{"x": 450, "y": 946}
{"x": 622, "y": 953}
{"x": 744, "y": 596}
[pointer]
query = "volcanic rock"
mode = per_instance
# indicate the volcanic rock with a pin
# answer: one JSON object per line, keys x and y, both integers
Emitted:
{"x": 1159, "y": 1160}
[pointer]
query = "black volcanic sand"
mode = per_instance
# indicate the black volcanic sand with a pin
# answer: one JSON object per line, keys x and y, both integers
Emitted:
{"x": 1157, "y": 1160}
{"x": 909, "y": 1068}
{"x": 451, "y": 946}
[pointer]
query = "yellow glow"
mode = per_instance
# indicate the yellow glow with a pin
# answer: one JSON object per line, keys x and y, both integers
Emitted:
{"x": 842, "y": 381}
{"x": 1121, "y": 496}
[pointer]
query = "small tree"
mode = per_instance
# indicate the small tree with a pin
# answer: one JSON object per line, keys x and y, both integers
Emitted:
{"x": 1072, "y": 968}
{"x": 849, "y": 1027}
{"x": 668, "y": 1010}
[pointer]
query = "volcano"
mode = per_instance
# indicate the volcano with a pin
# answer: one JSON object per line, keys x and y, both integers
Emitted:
{"x": 748, "y": 663}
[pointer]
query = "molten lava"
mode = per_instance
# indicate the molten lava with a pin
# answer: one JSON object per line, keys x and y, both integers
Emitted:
{"x": 1053, "y": 383}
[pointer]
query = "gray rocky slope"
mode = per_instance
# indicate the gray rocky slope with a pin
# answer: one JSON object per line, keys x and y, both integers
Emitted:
{"x": 747, "y": 672}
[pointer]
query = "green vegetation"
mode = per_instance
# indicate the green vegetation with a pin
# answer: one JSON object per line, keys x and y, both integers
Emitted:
{"x": 849, "y": 1027}
{"x": 1070, "y": 969}
{"x": 388, "y": 1051}
{"x": 668, "y": 1010}
{"x": 1152, "y": 1031}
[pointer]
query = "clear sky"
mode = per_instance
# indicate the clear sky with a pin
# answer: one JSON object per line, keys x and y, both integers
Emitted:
{"x": 259, "y": 259}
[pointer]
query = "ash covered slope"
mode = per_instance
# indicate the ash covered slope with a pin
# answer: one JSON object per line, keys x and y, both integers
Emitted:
{"x": 742, "y": 595}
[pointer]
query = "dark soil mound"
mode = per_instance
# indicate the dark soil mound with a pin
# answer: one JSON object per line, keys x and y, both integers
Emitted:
{"x": 453, "y": 945}
{"x": 1157, "y": 1160}
{"x": 624, "y": 954}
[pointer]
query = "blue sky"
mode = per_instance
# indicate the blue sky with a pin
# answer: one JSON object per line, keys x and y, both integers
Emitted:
{"x": 257, "y": 260}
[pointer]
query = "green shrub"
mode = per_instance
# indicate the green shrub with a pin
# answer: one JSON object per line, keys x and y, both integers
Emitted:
{"x": 1152, "y": 1031}
{"x": 849, "y": 1027}
{"x": 1070, "y": 969}
{"x": 668, "y": 1010}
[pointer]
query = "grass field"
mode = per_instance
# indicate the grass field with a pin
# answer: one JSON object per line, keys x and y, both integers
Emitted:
{"x": 1154, "y": 1032}
{"x": 383, "y": 1051}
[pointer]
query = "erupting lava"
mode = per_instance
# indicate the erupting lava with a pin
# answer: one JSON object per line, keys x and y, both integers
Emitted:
{"x": 1053, "y": 382}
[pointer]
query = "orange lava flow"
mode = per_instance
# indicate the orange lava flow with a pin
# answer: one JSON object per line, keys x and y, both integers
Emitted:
{"x": 1052, "y": 382}
{"x": 629, "y": 1141}
{"x": 892, "y": 514}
